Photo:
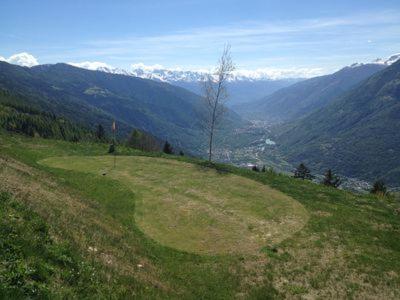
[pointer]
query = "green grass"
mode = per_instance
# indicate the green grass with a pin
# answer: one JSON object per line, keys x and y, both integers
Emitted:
{"x": 349, "y": 248}
{"x": 195, "y": 209}
{"x": 33, "y": 264}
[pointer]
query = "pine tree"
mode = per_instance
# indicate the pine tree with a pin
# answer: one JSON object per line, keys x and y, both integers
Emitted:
{"x": 379, "y": 188}
{"x": 331, "y": 179}
{"x": 181, "y": 153}
{"x": 263, "y": 169}
{"x": 135, "y": 140}
{"x": 100, "y": 132}
{"x": 303, "y": 172}
{"x": 144, "y": 141}
{"x": 167, "y": 148}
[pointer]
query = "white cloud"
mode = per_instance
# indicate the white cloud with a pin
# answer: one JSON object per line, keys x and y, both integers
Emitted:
{"x": 2, "y": 58}
{"x": 22, "y": 59}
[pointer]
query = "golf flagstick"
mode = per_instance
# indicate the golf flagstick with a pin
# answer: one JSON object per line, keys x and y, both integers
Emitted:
{"x": 115, "y": 148}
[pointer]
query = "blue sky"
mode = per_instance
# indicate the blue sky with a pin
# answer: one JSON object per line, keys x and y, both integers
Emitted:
{"x": 190, "y": 34}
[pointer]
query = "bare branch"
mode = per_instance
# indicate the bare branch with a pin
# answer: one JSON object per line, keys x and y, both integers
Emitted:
{"x": 215, "y": 94}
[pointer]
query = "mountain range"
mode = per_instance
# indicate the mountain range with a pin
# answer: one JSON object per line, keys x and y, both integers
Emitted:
{"x": 300, "y": 99}
{"x": 243, "y": 86}
{"x": 92, "y": 97}
{"x": 357, "y": 134}
{"x": 261, "y": 94}
{"x": 348, "y": 121}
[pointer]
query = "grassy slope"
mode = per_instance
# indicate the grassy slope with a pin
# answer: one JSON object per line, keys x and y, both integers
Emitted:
{"x": 34, "y": 264}
{"x": 196, "y": 209}
{"x": 349, "y": 247}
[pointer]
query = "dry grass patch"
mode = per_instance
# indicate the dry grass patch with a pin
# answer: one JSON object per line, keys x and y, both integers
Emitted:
{"x": 197, "y": 209}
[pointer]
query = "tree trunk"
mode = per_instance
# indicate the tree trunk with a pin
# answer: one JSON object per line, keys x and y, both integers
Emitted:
{"x": 211, "y": 140}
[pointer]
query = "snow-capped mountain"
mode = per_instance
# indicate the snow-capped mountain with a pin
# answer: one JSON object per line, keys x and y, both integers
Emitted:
{"x": 245, "y": 86}
{"x": 172, "y": 75}
{"x": 161, "y": 73}
{"x": 392, "y": 59}
{"x": 178, "y": 75}
{"x": 99, "y": 66}
{"x": 158, "y": 72}
{"x": 381, "y": 61}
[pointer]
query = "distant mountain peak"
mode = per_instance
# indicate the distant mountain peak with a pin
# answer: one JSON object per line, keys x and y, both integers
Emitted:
{"x": 99, "y": 66}
{"x": 391, "y": 60}
{"x": 158, "y": 72}
{"x": 161, "y": 73}
{"x": 171, "y": 75}
{"x": 380, "y": 61}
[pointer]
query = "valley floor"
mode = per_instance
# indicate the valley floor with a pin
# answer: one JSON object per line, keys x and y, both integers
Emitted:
{"x": 254, "y": 144}
{"x": 153, "y": 228}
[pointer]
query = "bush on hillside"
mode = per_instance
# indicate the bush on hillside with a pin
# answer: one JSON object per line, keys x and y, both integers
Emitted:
{"x": 331, "y": 179}
{"x": 143, "y": 141}
{"x": 303, "y": 172}
{"x": 379, "y": 188}
{"x": 168, "y": 148}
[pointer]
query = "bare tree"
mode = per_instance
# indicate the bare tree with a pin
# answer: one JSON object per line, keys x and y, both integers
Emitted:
{"x": 215, "y": 94}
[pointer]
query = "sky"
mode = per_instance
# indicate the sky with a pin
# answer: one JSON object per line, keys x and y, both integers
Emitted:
{"x": 306, "y": 36}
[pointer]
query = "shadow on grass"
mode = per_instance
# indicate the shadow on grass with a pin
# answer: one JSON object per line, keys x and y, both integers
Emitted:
{"x": 219, "y": 168}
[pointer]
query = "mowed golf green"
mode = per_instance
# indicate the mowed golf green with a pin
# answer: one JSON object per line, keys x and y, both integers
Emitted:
{"x": 197, "y": 209}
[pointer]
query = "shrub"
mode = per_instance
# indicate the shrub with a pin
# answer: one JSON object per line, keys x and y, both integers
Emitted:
{"x": 168, "y": 148}
{"x": 303, "y": 172}
{"x": 379, "y": 188}
{"x": 331, "y": 179}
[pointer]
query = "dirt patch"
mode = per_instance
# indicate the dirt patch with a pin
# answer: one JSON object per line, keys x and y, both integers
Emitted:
{"x": 321, "y": 213}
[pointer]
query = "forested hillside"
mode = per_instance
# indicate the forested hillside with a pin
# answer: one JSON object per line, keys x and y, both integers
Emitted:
{"x": 299, "y": 100}
{"x": 357, "y": 134}
{"x": 92, "y": 97}
{"x": 15, "y": 116}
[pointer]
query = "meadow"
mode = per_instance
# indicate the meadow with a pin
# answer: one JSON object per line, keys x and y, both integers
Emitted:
{"x": 161, "y": 226}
